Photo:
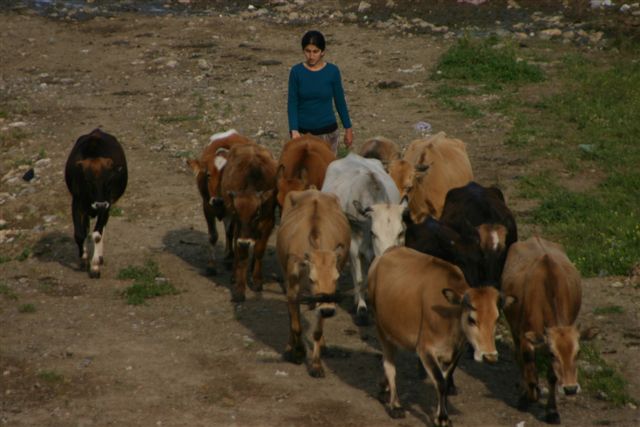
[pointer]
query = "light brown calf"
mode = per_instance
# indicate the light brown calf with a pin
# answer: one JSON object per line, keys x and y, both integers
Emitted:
{"x": 303, "y": 163}
{"x": 548, "y": 288}
{"x": 312, "y": 244}
{"x": 423, "y": 304}
{"x": 441, "y": 163}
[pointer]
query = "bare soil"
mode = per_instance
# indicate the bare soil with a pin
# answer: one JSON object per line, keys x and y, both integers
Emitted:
{"x": 162, "y": 85}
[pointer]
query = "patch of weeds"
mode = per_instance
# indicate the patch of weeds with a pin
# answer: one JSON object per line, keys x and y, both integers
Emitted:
{"x": 42, "y": 153}
{"x": 148, "y": 283}
{"x": 3, "y": 114}
{"x": 342, "y": 151}
{"x": 4, "y": 258}
{"x": 116, "y": 211}
{"x": 51, "y": 377}
{"x": 184, "y": 154}
{"x": 600, "y": 379}
{"x": 6, "y": 291}
{"x": 486, "y": 61}
{"x": 24, "y": 255}
{"x": 609, "y": 309}
{"x": 535, "y": 186}
{"x": 179, "y": 119}
{"x": 466, "y": 108}
{"x": 22, "y": 162}
{"x": 523, "y": 133}
{"x": 27, "y": 308}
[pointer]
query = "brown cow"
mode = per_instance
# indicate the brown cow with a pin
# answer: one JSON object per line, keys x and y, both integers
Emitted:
{"x": 96, "y": 176}
{"x": 441, "y": 163}
{"x": 380, "y": 148}
{"x": 208, "y": 169}
{"x": 403, "y": 174}
{"x": 248, "y": 189}
{"x": 312, "y": 244}
{"x": 423, "y": 304}
{"x": 547, "y": 285}
{"x": 303, "y": 163}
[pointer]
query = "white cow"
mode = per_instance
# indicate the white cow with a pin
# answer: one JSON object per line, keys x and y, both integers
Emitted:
{"x": 371, "y": 201}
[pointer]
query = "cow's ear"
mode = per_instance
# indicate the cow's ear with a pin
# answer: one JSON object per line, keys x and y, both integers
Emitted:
{"x": 506, "y": 301}
{"x": 194, "y": 164}
{"x": 361, "y": 210}
{"x": 452, "y": 296}
{"x": 340, "y": 253}
{"x": 534, "y": 338}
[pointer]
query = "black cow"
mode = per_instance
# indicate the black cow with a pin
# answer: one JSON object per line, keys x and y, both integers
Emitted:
{"x": 96, "y": 175}
{"x": 437, "y": 239}
{"x": 484, "y": 208}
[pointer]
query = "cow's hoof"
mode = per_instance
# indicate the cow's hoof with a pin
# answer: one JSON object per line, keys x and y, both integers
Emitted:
{"x": 255, "y": 286}
{"x": 94, "y": 274}
{"x": 443, "y": 421}
{"x": 523, "y": 403}
{"x": 362, "y": 318}
{"x": 396, "y": 413}
{"x": 552, "y": 417}
{"x": 316, "y": 372}
{"x": 237, "y": 297}
{"x": 294, "y": 356}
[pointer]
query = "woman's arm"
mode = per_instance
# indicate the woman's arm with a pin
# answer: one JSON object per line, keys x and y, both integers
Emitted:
{"x": 292, "y": 103}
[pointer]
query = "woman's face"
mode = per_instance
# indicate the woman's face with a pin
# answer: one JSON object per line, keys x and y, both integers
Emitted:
{"x": 312, "y": 55}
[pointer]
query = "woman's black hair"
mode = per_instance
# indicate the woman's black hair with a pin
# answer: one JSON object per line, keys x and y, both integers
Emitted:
{"x": 315, "y": 38}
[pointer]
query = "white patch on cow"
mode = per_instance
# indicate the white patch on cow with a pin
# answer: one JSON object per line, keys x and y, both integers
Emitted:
{"x": 219, "y": 162}
{"x": 249, "y": 242}
{"x": 222, "y": 135}
{"x": 495, "y": 240}
{"x": 97, "y": 205}
{"x": 98, "y": 250}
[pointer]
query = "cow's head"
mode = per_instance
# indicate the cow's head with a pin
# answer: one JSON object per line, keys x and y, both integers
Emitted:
{"x": 249, "y": 209}
{"x": 99, "y": 176}
{"x": 480, "y": 309}
{"x": 295, "y": 182}
{"x": 387, "y": 226}
{"x": 403, "y": 174}
{"x": 322, "y": 267}
{"x": 208, "y": 171}
{"x": 563, "y": 345}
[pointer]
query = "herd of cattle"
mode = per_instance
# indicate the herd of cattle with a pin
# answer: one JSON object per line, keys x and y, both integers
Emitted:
{"x": 435, "y": 254}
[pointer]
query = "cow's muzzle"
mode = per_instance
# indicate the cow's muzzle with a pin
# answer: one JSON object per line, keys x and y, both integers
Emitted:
{"x": 486, "y": 357}
{"x": 100, "y": 205}
{"x": 571, "y": 390}
{"x": 320, "y": 298}
{"x": 327, "y": 311}
{"x": 246, "y": 243}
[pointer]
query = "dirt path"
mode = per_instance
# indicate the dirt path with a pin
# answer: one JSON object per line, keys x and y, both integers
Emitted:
{"x": 162, "y": 85}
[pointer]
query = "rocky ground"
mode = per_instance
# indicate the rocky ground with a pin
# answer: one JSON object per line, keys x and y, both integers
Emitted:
{"x": 162, "y": 77}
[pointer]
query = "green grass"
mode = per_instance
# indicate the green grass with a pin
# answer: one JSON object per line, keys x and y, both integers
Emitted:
{"x": 609, "y": 309}
{"x": 24, "y": 255}
{"x": 27, "y": 308}
{"x": 147, "y": 283}
{"x": 601, "y": 379}
{"x": 116, "y": 211}
{"x": 6, "y": 291}
{"x": 4, "y": 258}
{"x": 50, "y": 377}
{"x": 486, "y": 62}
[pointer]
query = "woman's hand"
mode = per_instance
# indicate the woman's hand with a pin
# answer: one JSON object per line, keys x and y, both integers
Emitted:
{"x": 295, "y": 134}
{"x": 348, "y": 137}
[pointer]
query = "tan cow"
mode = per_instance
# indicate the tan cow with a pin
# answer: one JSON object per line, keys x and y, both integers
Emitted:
{"x": 380, "y": 148}
{"x": 441, "y": 163}
{"x": 547, "y": 285}
{"x": 248, "y": 188}
{"x": 423, "y": 304}
{"x": 312, "y": 244}
{"x": 208, "y": 169}
{"x": 303, "y": 163}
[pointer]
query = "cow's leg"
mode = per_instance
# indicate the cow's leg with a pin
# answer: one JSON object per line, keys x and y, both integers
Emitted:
{"x": 210, "y": 217}
{"x": 434, "y": 370}
{"x": 295, "y": 351}
{"x": 258, "y": 253}
{"x": 452, "y": 390}
{"x": 358, "y": 277}
{"x": 229, "y": 248}
{"x": 80, "y": 230}
{"x": 241, "y": 264}
{"x": 552, "y": 416}
{"x": 316, "y": 370}
{"x": 526, "y": 358}
{"x": 98, "y": 243}
{"x": 394, "y": 408}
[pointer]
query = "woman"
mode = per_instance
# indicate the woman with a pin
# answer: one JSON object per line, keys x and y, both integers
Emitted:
{"x": 314, "y": 86}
